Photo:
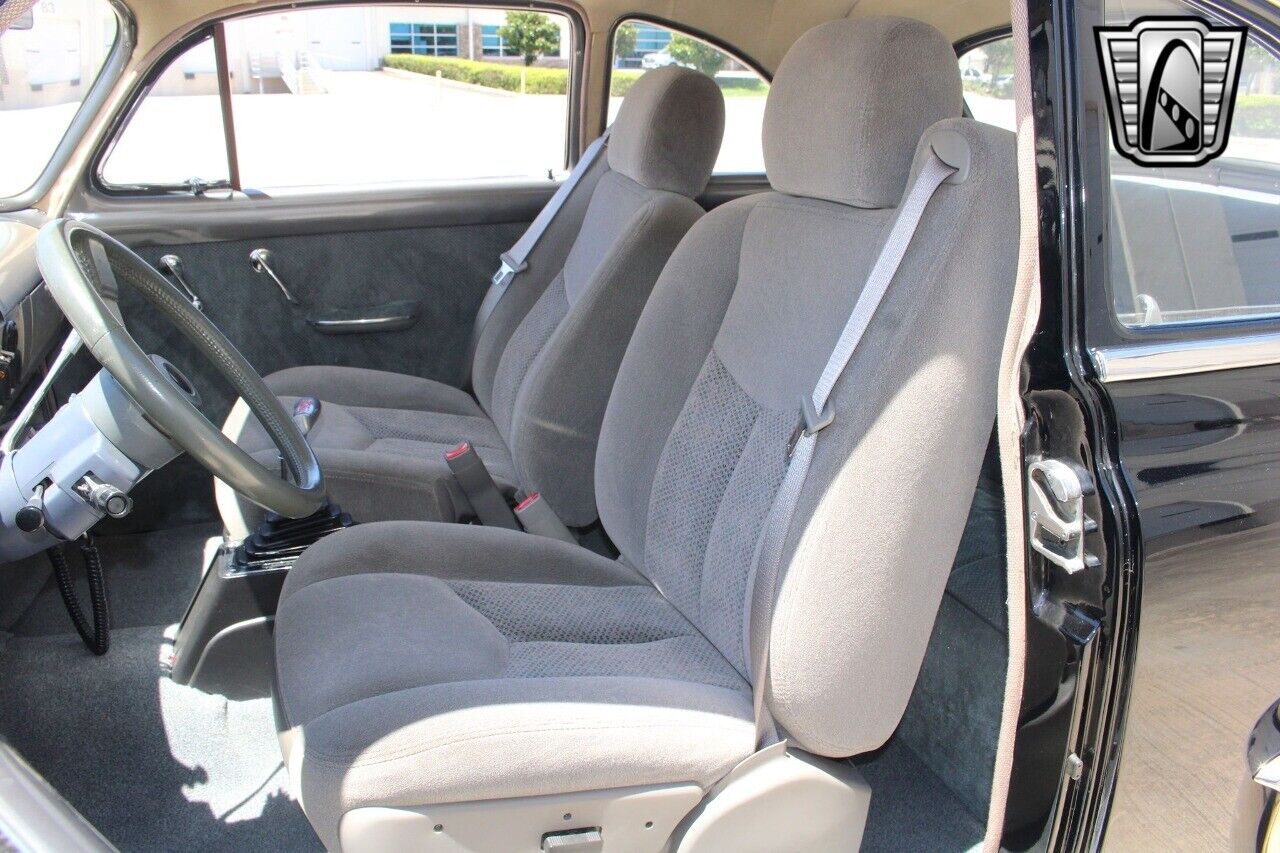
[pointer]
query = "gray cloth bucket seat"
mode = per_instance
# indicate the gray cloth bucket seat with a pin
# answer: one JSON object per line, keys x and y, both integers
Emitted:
{"x": 545, "y": 361}
{"x": 421, "y": 664}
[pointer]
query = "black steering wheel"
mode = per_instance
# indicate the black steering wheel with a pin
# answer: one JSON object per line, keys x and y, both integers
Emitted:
{"x": 82, "y": 267}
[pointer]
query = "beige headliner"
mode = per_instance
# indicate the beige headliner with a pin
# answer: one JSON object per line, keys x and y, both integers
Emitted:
{"x": 760, "y": 30}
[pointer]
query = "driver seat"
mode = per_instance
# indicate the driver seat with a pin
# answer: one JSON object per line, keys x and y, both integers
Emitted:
{"x": 446, "y": 687}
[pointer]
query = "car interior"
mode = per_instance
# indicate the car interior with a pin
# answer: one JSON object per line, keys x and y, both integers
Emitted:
{"x": 650, "y": 508}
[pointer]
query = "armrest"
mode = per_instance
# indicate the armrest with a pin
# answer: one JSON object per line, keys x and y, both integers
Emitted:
{"x": 390, "y": 317}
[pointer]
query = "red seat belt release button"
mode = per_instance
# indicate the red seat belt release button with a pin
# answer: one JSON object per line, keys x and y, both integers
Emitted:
{"x": 476, "y": 483}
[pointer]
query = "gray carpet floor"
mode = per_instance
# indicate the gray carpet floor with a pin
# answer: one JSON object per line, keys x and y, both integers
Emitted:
{"x": 158, "y": 766}
{"x": 911, "y": 808}
{"x": 154, "y": 765}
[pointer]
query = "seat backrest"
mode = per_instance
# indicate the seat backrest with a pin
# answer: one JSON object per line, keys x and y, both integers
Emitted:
{"x": 740, "y": 326}
{"x": 547, "y": 357}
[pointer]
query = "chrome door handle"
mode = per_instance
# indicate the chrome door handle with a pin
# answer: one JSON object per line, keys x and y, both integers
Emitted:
{"x": 173, "y": 266}
{"x": 261, "y": 261}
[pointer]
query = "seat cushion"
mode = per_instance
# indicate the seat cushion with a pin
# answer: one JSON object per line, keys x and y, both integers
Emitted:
{"x": 380, "y": 439}
{"x": 467, "y": 663}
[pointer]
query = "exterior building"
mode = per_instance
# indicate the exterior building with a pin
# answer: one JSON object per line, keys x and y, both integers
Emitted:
{"x": 54, "y": 61}
{"x": 53, "y": 55}
{"x": 357, "y": 38}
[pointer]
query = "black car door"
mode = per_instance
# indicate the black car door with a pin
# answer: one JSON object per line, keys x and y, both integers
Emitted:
{"x": 1179, "y": 277}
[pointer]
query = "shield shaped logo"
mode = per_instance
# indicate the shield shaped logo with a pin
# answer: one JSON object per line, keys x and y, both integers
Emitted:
{"x": 1171, "y": 88}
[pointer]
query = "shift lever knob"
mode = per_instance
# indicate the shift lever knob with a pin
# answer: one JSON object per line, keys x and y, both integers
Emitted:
{"x": 305, "y": 412}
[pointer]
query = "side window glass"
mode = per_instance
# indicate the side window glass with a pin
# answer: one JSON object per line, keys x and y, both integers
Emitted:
{"x": 175, "y": 134}
{"x": 987, "y": 74}
{"x": 1201, "y": 244}
{"x": 361, "y": 97}
{"x": 49, "y": 58}
{"x": 639, "y": 46}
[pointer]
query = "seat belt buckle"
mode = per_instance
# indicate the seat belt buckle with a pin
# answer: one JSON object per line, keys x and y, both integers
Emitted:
{"x": 812, "y": 421}
{"x": 538, "y": 518}
{"x": 479, "y": 488}
{"x": 507, "y": 271}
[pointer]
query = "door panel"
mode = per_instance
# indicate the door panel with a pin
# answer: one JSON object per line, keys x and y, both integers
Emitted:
{"x": 334, "y": 255}
{"x": 444, "y": 271}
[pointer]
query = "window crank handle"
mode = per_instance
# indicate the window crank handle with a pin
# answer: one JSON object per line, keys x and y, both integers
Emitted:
{"x": 173, "y": 266}
{"x": 261, "y": 261}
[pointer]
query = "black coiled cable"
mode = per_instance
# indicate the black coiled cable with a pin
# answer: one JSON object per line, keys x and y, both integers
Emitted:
{"x": 98, "y": 639}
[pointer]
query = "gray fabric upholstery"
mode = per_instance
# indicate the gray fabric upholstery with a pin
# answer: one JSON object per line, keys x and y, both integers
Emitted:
{"x": 848, "y": 103}
{"x": 433, "y": 663}
{"x": 561, "y": 402}
{"x": 380, "y": 439}
{"x": 913, "y": 414}
{"x": 444, "y": 269}
{"x": 545, "y": 362}
{"x": 883, "y": 509}
{"x": 633, "y": 671}
{"x": 668, "y": 129}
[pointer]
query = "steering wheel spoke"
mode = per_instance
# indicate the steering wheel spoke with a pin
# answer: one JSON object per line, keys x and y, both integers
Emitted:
{"x": 85, "y": 270}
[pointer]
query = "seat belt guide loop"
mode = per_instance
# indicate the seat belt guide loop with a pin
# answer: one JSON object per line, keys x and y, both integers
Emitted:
{"x": 815, "y": 421}
{"x": 811, "y": 422}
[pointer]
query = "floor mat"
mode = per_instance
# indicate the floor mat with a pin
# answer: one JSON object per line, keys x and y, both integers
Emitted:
{"x": 153, "y": 765}
{"x": 911, "y": 808}
{"x": 150, "y": 580}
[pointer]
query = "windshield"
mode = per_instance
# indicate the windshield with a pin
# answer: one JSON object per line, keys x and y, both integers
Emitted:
{"x": 49, "y": 60}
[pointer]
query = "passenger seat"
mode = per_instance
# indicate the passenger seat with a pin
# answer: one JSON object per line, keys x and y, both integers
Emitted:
{"x": 545, "y": 359}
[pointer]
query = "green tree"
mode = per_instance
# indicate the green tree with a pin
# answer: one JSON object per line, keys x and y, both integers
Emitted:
{"x": 530, "y": 34}
{"x": 1261, "y": 71}
{"x": 697, "y": 54}
{"x": 999, "y": 58}
{"x": 624, "y": 42}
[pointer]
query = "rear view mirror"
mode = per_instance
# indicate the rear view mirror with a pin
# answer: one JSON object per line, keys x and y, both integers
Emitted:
{"x": 25, "y": 21}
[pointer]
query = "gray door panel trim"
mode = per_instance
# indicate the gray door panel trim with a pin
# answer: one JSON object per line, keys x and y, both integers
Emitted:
{"x": 182, "y": 220}
{"x": 33, "y": 816}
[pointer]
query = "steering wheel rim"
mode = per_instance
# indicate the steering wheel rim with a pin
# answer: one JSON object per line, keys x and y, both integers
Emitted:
{"x": 84, "y": 284}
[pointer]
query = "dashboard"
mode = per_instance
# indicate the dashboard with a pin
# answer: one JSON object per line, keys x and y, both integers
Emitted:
{"x": 31, "y": 323}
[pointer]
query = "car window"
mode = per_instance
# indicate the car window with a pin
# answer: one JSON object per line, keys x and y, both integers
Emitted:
{"x": 640, "y": 45}
{"x": 987, "y": 74}
{"x": 49, "y": 59}
{"x": 1186, "y": 244}
{"x": 175, "y": 134}
{"x": 359, "y": 96}
{"x": 1201, "y": 244}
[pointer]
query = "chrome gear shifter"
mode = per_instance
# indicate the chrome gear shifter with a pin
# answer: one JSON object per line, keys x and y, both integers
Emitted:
{"x": 278, "y": 541}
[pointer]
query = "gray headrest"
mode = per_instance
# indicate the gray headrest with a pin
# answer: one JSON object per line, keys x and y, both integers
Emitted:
{"x": 668, "y": 130}
{"x": 849, "y": 103}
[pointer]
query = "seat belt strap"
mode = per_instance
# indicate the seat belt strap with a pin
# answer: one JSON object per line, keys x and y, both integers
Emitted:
{"x": 516, "y": 259}
{"x": 816, "y": 416}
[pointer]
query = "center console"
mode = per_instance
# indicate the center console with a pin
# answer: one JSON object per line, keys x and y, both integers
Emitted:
{"x": 224, "y": 640}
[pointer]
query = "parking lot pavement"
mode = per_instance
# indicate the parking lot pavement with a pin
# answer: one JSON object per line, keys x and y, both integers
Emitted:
{"x": 1208, "y": 666}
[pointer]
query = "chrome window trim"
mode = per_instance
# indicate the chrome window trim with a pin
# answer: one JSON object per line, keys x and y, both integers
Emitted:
{"x": 1130, "y": 362}
{"x": 94, "y": 100}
